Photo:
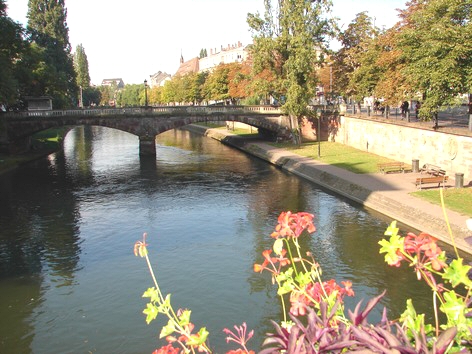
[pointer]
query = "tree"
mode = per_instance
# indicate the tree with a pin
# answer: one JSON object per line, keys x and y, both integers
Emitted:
{"x": 81, "y": 67}
{"x": 435, "y": 43}
{"x": 203, "y": 53}
{"x": 355, "y": 74}
{"x": 81, "y": 71}
{"x": 12, "y": 46}
{"x": 217, "y": 84}
{"x": 48, "y": 29}
{"x": 393, "y": 86}
{"x": 289, "y": 41}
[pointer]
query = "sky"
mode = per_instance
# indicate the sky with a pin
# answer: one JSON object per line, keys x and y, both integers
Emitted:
{"x": 134, "y": 39}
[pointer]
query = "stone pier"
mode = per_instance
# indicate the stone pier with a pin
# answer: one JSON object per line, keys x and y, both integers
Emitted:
{"x": 147, "y": 145}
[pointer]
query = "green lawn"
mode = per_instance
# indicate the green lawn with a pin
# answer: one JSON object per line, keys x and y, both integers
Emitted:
{"x": 339, "y": 155}
{"x": 457, "y": 199}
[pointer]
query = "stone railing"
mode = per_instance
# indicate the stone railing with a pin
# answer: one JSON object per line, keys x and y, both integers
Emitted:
{"x": 148, "y": 111}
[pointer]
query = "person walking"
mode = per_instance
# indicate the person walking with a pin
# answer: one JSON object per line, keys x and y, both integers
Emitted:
{"x": 404, "y": 107}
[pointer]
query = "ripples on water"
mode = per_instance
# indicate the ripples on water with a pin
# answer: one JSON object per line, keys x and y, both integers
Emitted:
{"x": 69, "y": 280}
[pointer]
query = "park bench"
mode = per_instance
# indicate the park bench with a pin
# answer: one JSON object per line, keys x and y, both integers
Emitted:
{"x": 420, "y": 181}
{"x": 432, "y": 170}
{"x": 391, "y": 166}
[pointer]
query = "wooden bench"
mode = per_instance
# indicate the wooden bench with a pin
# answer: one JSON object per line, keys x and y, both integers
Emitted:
{"x": 391, "y": 166}
{"x": 433, "y": 170}
{"x": 420, "y": 181}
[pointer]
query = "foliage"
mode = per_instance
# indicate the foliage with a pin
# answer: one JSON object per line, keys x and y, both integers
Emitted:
{"x": 435, "y": 40}
{"x": 11, "y": 48}
{"x": 355, "y": 74}
{"x": 289, "y": 41}
{"x": 131, "y": 95}
{"x": 216, "y": 87}
{"x": 48, "y": 30}
{"x": 314, "y": 317}
{"x": 81, "y": 67}
{"x": 422, "y": 253}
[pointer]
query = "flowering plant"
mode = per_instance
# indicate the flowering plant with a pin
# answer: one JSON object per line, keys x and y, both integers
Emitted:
{"x": 316, "y": 321}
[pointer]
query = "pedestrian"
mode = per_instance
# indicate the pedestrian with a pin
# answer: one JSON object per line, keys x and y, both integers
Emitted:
{"x": 404, "y": 107}
{"x": 417, "y": 108}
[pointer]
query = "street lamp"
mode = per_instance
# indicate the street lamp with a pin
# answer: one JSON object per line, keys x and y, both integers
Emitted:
{"x": 145, "y": 94}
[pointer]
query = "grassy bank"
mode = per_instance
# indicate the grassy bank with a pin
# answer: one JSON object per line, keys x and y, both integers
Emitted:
{"x": 43, "y": 143}
{"x": 457, "y": 199}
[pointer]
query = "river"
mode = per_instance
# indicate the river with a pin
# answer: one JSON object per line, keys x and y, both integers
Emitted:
{"x": 70, "y": 282}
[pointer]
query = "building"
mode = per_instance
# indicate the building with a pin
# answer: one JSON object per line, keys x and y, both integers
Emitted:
{"x": 39, "y": 103}
{"x": 188, "y": 67}
{"x": 159, "y": 79}
{"x": 225, "y": 55}
{"x": 109, "y": 82}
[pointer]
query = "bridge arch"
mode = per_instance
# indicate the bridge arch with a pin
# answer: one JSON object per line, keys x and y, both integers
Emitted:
{"x": 146, "y": 123}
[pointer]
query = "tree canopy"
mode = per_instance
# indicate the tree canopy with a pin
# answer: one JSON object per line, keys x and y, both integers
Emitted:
{"x": 47, "y": 28}
{"x": 289, "y": 41}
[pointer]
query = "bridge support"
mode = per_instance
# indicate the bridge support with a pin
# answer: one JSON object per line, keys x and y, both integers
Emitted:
{"x": 147, "y": 145}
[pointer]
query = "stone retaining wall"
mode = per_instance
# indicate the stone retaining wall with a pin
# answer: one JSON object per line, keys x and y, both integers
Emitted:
{"x": 452, "y": 153}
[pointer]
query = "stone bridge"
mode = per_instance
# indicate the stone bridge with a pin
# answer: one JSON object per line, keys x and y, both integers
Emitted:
{"x": 17, "y": 128}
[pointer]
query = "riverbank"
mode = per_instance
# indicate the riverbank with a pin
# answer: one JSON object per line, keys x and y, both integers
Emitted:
{"x": 388, "y": 194}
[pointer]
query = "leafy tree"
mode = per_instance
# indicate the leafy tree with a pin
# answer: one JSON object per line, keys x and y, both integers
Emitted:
{"x": 131, "y": 96}
{"x": 435, "y": 42}
{"x": 239, "y": 77}
{"x": 354, "y": 70}
{"x": 81, "y": 71}
{"x": 169, "y": 94}
{"x": 288, "y": 41}
{"x": 155, "y": 95}
{"x": 81, "y": 67}
{"x": 11, "y": 48}
{"x": 48, "y": 29}
{"x": 393, "y": 85}
{"x": 91, "y": 96}
{"x": 217, "y": 85}
{"x": 203, "y": 53}
{"x": 108, "y": 94}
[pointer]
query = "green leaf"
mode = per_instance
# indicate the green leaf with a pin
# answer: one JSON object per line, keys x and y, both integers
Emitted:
{"x": 414, "y": 322}
{"x": 392, "y": 248}
{"x": 284, "y": 276}
{"x": 168, "y": 329}
{"x": 286, "y": 288}
{"x": 152, "y": 293}
{"x": 165, "y": 306}
{"x": 278, "y": 246}
{"x": 455, "y": 309}
{"x": 184, "y": 318}
{"x": 151, "y": 312}
{"x": 200, "y": 339}
{"x": 392, "y": 229}
{"x": 457, "y": 273}
{"x": 303, "y": 279}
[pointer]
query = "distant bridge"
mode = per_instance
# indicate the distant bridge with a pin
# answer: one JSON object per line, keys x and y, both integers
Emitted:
{"x": 17, "y": 128}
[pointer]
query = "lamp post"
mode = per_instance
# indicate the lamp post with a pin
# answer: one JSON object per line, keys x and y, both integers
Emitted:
{"x": 145, "y": 94}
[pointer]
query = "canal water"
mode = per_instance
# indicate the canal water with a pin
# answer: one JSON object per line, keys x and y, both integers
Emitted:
{"x": 69, "y": 282}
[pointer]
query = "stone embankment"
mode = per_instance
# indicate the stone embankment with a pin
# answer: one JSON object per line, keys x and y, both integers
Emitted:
{"x": 388, "y": 194}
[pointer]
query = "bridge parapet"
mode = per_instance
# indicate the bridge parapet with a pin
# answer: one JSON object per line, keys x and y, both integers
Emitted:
{"x": 149, "y": 111}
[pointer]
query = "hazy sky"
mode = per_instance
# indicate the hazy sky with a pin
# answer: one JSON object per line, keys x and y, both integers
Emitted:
{"x": 134, "y": 39}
